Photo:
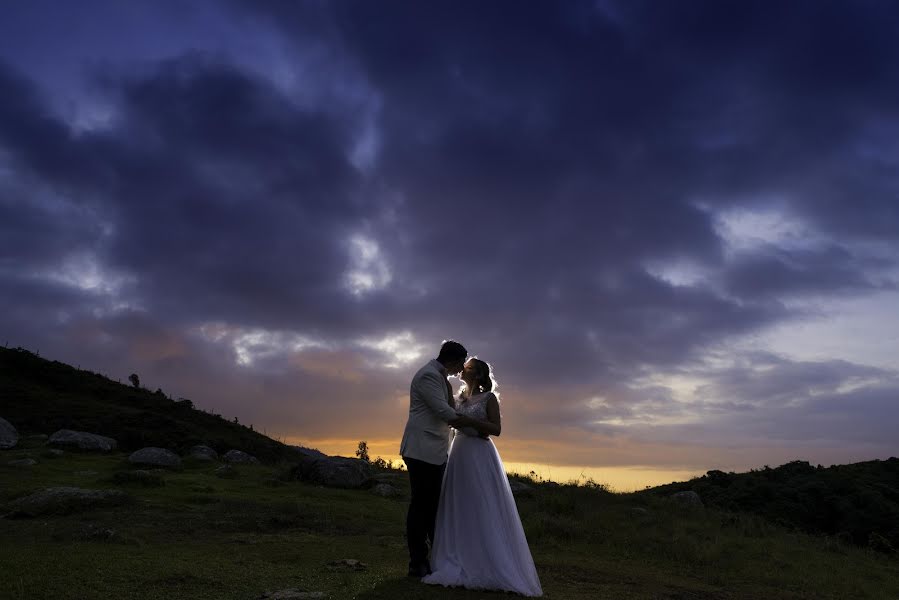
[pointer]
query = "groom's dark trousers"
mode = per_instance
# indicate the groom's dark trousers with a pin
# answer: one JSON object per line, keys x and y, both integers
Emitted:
{"x": 425, "y": 480}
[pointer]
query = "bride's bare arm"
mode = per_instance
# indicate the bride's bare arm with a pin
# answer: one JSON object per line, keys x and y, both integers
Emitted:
{"x": 493, "y": 424}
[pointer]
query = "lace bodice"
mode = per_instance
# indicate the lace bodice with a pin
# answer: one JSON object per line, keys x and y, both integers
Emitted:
{"x": 474, "y": 407}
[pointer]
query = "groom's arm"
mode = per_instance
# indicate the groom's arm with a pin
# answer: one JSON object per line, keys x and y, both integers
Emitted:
{"x": 433, "y": 392}
{"x": 433, "y": 389}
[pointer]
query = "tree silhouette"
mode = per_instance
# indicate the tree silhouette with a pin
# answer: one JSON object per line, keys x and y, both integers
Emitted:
{"x": 134, "y": 379}
{"x": 362, "y": 451}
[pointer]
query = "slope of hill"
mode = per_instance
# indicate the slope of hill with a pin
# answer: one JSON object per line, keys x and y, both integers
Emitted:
{"x": 858, "y": 502}
{"x": 42, "y": 396}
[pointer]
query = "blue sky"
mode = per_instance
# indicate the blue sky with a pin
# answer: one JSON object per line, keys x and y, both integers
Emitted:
{"x": 673, "y": 228}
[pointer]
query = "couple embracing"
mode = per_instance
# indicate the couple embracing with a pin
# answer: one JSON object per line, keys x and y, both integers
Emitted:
{"x": 461, "y": 500}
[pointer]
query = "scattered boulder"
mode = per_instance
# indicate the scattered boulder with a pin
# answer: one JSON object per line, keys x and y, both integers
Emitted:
{"x": 291, "y": 594}
{"x": 394, "y": 479}
{"x": 22, "y": 462}
{"x": 139, "y": 476}
{"x": 52, "y": 453}
{"x": 309, "y": 452}
{"x": 226, "y": 472}
{"x": 333, "y": 471}
{"x": 9, "y": 437}
{"x": 91, "y": 532}
{"x": 385, "y": 490}
{"x": 239, "y": 457}
{"x": 63, "y": 500}
{"x": 347, "y": 564}
{"x": 203, "y": 453}
{"x": 688, "y": 498}
{"x": 155, "y": 457}
{"x": 81, "y": 440}
{"x": 521, "y": 489}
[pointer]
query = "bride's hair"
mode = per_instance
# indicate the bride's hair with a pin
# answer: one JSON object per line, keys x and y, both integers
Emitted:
{"x": 484, "y": 382}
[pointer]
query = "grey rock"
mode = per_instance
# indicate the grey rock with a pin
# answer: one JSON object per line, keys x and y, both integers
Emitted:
{"x": 688, "y": 498}
{"x": 333, "y": 471}
{"x": 9, "y": 437}
{"x": 156, "y": 457}
{"x": 394, "y": 479}
{"x": 239, "y": 457}
{"x": 521, "y": 489}
{"x": 91, "y": 532}
{"x": 203, "y": 453}
{"x": 347, "y": 564}
{"x": 309, "y": 452}
{"x": 385, "y": 490}
{"x": 291, "y": 594}
{"x": 52, "y": 453}
{"x": 22, "y": 462}
{"x": 63, "y": 500}
{"x": 82, "y": 440}
{"x": 226, "y": 472}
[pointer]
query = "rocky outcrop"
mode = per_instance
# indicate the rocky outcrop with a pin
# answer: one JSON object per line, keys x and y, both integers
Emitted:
{"x": 333, "y": 471}
{"x": 204, "y": 453}
{"x": 239, "y": 457}
{"x": 688, "y": 498}
{"x": 9, "y": 437}
{"x": 226, "y": 472}
{"x": 81, "y": 440}
{"x": 521, "y": 489}
{"x": 292, "y": 594}
{"x": 64, "y": 500}
{"x": 308, "y": 452}
{"x": 385, "y": 490}
{"x": 155, "y": 457}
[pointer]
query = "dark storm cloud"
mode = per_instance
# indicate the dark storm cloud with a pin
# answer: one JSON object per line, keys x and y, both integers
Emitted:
{"x": 514, "y": 175}
{"x": 780, "y": 272}
{"x": 762, "y": 396}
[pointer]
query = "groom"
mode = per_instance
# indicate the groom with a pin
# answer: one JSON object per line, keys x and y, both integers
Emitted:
{"x": 425, "y": 446}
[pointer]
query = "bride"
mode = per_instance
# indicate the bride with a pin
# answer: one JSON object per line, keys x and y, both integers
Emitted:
{"x": 479, "y": 542}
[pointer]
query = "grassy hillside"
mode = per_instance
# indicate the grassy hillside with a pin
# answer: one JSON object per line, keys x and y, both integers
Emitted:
{"x": 192, "y": 534}
{"x": 42, "y": 396}
{"x": 858, "y": 503}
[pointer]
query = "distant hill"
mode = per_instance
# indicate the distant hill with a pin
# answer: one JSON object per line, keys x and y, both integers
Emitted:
{"x": 858, "y": 502}
{"x": 43, "y": 396}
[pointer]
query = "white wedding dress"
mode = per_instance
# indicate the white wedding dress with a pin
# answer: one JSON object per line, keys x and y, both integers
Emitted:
{"x": 479, "y": 542}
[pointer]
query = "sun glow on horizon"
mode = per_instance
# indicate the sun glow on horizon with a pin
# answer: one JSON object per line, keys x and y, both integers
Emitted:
{"x": 625, "y": 478}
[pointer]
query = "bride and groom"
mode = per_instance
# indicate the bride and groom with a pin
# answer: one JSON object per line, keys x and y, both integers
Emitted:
{"x": 461, "y": 503}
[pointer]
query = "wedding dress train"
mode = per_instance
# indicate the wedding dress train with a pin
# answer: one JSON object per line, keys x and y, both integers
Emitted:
{"x": 479, "y": 542}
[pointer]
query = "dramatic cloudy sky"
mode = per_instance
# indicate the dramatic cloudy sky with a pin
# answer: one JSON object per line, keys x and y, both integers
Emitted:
{"x": 673, "y": 227}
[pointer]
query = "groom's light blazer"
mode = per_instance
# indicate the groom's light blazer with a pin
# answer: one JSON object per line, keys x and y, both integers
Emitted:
{"x": 426, "y": 437}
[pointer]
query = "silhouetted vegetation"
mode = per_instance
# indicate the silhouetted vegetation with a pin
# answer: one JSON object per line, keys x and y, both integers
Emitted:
{"x": 857, "y": 503}
{"x": 362, "y": 451}
{"x": 42, "y": 396}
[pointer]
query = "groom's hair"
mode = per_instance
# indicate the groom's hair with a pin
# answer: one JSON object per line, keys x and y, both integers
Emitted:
{"x": 451, "y": 351}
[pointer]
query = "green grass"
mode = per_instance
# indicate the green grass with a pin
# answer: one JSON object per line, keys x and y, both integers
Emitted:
{"x": 198, "y": 536}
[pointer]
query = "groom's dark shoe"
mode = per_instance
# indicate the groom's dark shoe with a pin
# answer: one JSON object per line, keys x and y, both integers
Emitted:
{"x": 419, "y": 570}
